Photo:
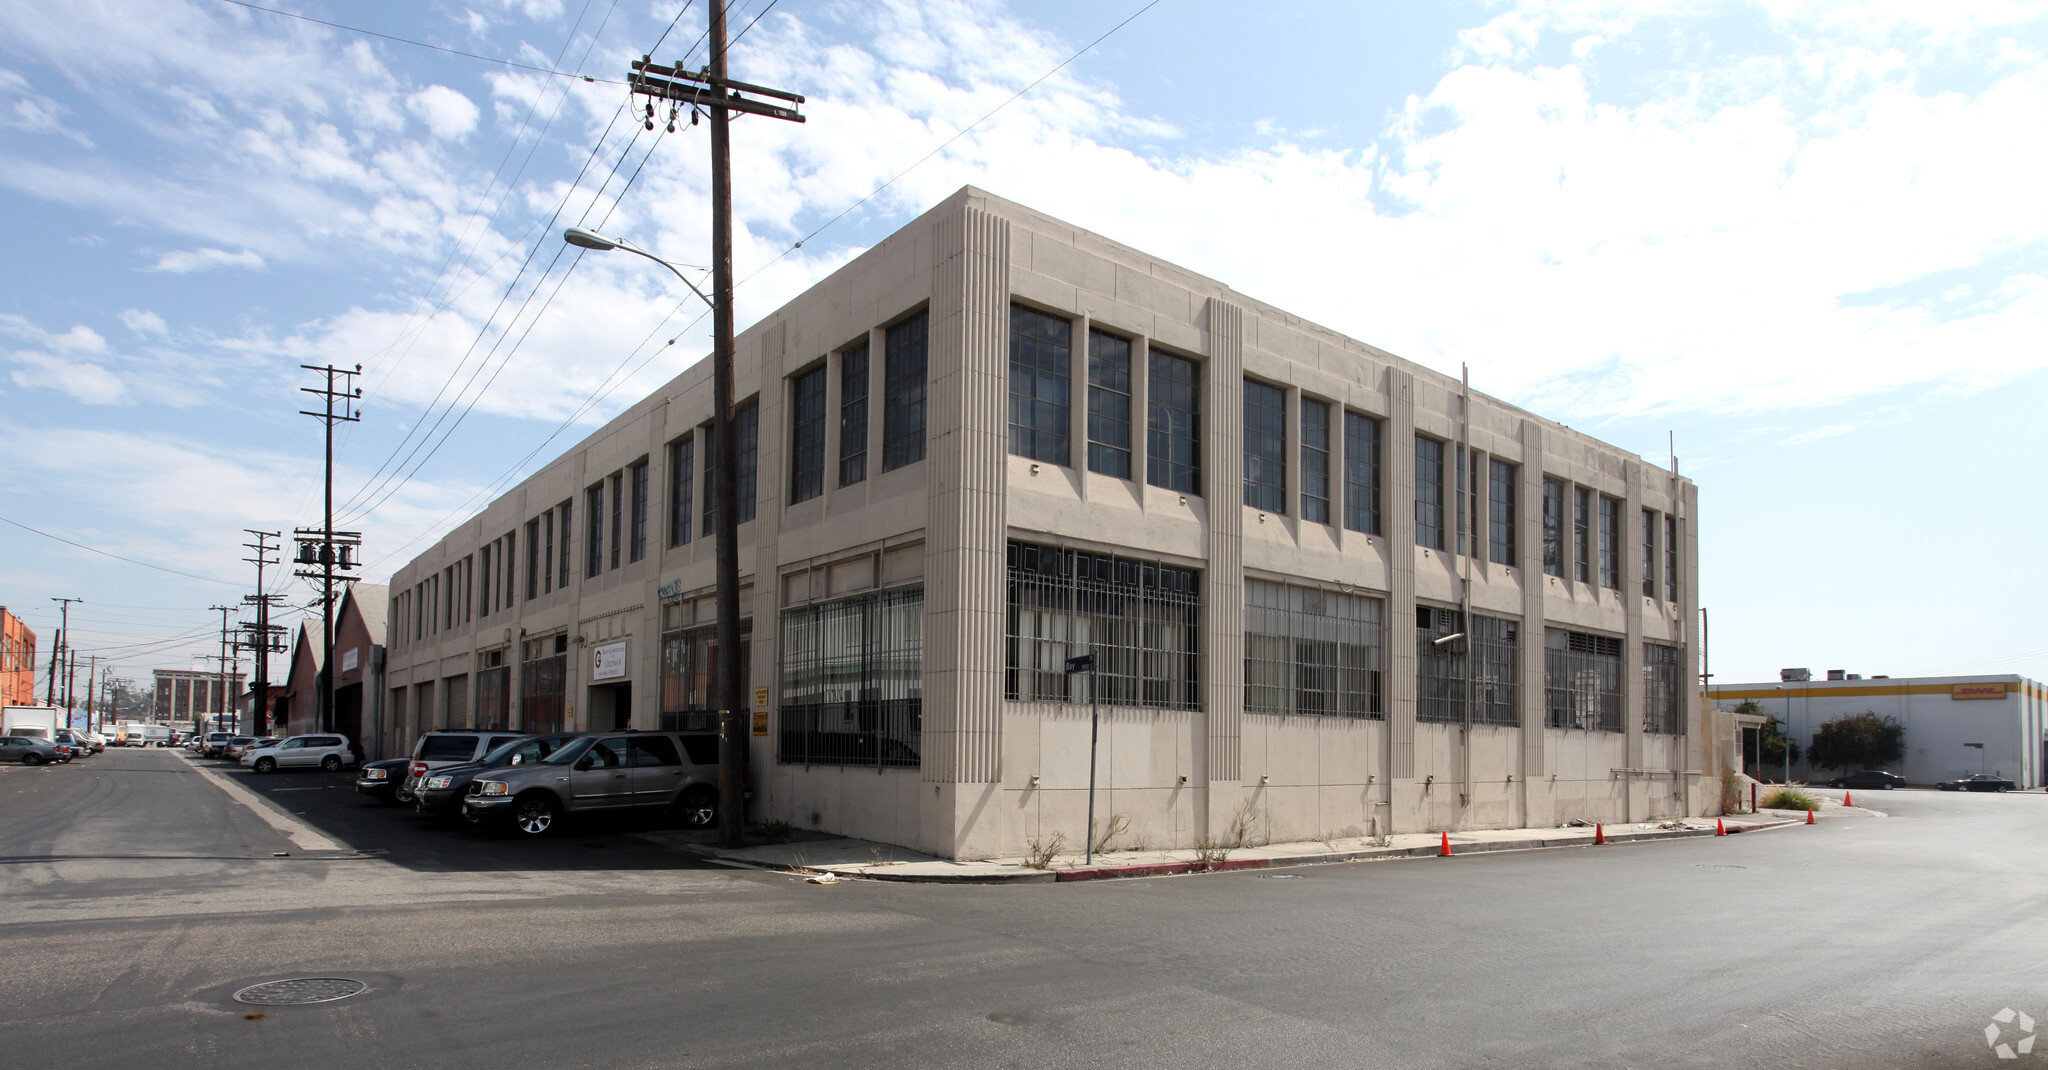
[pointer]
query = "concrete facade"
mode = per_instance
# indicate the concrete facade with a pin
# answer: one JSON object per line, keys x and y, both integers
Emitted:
{"x": 989, "y": 770}
{"x": 2006, "y": 714}
{"x": 190, "y": 696}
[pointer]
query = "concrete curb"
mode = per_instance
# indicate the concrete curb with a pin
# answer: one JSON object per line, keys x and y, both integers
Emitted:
{"x": 302, "y": 836}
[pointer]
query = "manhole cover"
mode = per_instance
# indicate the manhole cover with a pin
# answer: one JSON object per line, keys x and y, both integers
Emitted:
{"x": 300, "y": 990}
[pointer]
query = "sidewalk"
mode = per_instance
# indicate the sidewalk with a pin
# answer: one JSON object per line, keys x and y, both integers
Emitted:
{"x": 861, "y": 859}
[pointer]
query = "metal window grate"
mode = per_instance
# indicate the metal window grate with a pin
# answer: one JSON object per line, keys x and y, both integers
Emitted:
{"x": 542, "y": 683}
{"x": 1582, "y": 681}
{"x": 1663, "y": 709}
{"x": 853, "y": 681}
{"x": 1489, "y": 648}
{"x": 689, "y": 677}
{"x": 1311, "y": 651}
{"x": 1141, "y": 620}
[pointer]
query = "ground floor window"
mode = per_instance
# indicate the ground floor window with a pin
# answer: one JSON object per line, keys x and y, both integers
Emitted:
{"x": 494, "y": 698}
{"x": 1663, "y": 709}
{"x": 853, "y": 681}
{"x": 1581, "y": 680}
{"x": 689, "y": 677}
{"x": 1141, "y": 619}
{"x": 1447, "y": 655}
{"x": 543, "y": 683}
{"x": 1311, "y": 651}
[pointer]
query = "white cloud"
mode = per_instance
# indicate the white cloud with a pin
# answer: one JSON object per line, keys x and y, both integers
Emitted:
{"x": 446, "y": 112}
{"x": 143, "y": 322}
{"x": 186, "y": 261}
{"x": 83, "y": 380}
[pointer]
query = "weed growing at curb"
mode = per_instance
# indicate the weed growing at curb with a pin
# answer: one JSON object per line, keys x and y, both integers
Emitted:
{"x": 1039, "y": 854}
{"x": 1117, "y": 826}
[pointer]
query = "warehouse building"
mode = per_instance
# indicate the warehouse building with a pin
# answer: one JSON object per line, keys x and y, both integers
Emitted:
{"x": 1954, "y": 725}
{"x": 1327, "y": 594}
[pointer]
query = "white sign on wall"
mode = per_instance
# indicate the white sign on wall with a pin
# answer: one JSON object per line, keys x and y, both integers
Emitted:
{"x": 608, "y": 662}
{"x": 350, "y": 659}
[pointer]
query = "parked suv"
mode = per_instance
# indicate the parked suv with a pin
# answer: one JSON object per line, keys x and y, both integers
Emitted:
{"x": 328, "y": 752}
{"x": 215, "y": 743}
{"x": 444, "y": 747}
{"x": 442, "y": 790}
{"x": 605, "y": 773}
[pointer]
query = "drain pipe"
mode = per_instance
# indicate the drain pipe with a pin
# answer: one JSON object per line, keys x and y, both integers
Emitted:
{"x": 1467, "y": 498}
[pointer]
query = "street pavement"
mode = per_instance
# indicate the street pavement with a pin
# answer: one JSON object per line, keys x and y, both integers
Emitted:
{"x": 136, "y": 896}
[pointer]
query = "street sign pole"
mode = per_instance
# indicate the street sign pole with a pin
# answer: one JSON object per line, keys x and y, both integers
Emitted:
{"x": 1085, "y": 663}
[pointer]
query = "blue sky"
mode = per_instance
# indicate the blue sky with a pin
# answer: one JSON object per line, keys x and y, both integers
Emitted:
{"x": 1805, "y": 240}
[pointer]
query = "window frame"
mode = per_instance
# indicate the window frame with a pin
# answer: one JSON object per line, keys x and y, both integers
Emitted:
{"x": 1041, "y": 418}
{"x": 1502, "y": 478}
{"x": 906, "y": 364}
{"x": 1315, "y": 460}
{"x": 1429, "y": 507}
{"x": 1365, "y": 462}
{"x": 1263, "y": 439}
{"x": 1553, "y": 527}
{"x": 1109, "y": 408}
{"x": 807, "y": 433}
{"x": 853, "y": 413}
{"x": 1169, "y": 424}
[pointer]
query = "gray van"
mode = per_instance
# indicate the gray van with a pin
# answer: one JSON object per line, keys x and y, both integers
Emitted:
{"x": 606, "y": 772}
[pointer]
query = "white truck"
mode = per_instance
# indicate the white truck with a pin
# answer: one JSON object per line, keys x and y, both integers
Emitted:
{"x": 41, "y": 722}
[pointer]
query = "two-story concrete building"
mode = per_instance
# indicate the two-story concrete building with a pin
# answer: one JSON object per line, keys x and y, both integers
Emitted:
{"x": 1325, "y": 587}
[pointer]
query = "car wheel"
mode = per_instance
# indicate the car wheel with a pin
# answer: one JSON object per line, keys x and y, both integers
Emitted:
{"x": 698, "y": 808}
{"x": 402, "y": 797}
{"x": 266, "y": 765}
{"x": 31, "y": 759}
{"x": 330, "y": 764}
{"x": 536, "y": 815}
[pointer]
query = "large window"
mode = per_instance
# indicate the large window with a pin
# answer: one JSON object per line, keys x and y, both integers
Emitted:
{"x": 746, "y": 429}
{"x": 807, "y": 435}
{"x": 903, "y": 374}
{"x": 1109, "y": 404}
{"x": 853, "y": 681}
{"x": 682, "y": 479}
{"x": 532, "y": 559}
{"x": 565, "y": 510}
{"x": 1670, "y": 558}
{"x": 1582, "y": 522}
{"x": 1445, "y": 652}
{"x": 1311, "y": 651}
{"x": 1581, "y": 680}
{"x": 484, "y": 595}
{"x": 593, "y": 504}
{"x": 618, "y": 513}
{"x": 1361, "y": 473}
{"x": 853, "y": 415}
{"x": 1315, "y": 461}
{"x": 1173, "y": 424}
{"x": 547, "y": 553}
{"x": 1041, "y": 359}
{"x": 1141, "y": 620}
{"x": 543, "y": 683}
{"x": 1553, "y": 526}
{"x": 1610, "y": 543}
{"x": 1663, "y": 702}
{"x": 1500, "y": 512}
{"x": 637, "y": 547}
{"x": 1429, "y": 492}
{"x": 1265, "y": 447}
{"x": 1649, "y": 553}
{"x": 689, "y": 677}
{"x": 1464, "y": 500}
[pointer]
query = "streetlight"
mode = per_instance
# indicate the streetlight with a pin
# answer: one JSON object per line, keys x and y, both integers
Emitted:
{"x": 732, "y": 764}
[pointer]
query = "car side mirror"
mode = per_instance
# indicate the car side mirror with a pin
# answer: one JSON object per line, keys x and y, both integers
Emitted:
{"x": 584, "y": 763}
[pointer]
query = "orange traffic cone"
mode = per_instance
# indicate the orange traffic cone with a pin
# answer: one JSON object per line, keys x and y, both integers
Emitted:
{"x": 1719, "y": 828}
{"x": 1445, "y": 850}
{"x": 1809, "y": 817}
{"x": 1599, "y": 833}
{"x": 1848, "y": 800}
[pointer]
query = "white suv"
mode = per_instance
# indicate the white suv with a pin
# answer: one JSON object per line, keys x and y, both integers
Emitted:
{"x": 328, "y": 752}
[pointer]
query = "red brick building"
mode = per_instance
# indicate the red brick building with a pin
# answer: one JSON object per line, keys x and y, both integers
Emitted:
{"x": 17, "y": 661}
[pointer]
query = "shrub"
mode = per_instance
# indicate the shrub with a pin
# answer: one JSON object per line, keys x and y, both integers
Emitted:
{"x": 1040, "y": 853}
{"x": 1858, "y": 741}
{"x": 1789, "y": 799}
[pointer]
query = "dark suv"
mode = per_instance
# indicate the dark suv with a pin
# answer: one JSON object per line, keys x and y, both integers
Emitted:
{"x": 441, "y": 791}
{"x": 610, "y": 772}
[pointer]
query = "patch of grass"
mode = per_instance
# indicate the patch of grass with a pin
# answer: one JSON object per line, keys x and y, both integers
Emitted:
{"x": 1789, "y": 799}
{"x": 1038, "y": 854}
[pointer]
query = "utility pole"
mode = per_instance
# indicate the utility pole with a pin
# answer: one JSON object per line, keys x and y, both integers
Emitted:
{"x": 223, "y": 666}
{"x": 92, "y": 672}
{"x": 719, "y": 95}
{"x": 57, "y": 648}
{"x": 327, "y": 540}
{"x": 106, "y": 696}
{"x": 259, "y": 635}
{"x": 70, "y": 677}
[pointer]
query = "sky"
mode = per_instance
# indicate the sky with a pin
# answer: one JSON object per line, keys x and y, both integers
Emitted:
{"x": 1801, "y": 244}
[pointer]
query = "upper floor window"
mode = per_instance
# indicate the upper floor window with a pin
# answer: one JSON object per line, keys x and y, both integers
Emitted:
{"x": 1315, "y": 460}
{"x": 637, "y": 546}
{"x": 547, "y": 554}
{"x": 1109, "y": 404}
{"x": 593, "y": 503}
{"x": 533, "y": 559}
{"x": 746, "y": 430}
{"x": 807, "y": 435}
{"x": 618, "y": 511}
{"x": 1582, "y": 525}
{"x": 1610, "y": 543}
{"x": 1361, "y": 473}
{"x": 1041, "y": 356}
{"x": 565, "y": 510}
{"x": 1173, "y": 424}
{"x": 1553, "y": 526}
{"x": 853, "y": 415}
{"x": 903, "y": 375}
{"x": 1650, "y": 553}
{"x": 1670, "y": 558}
{"x": 682, "y": 479}
{"x": 1429, "y": 492}
{"x": 1500, "y": 512}
{"x": 1265, "y": 451}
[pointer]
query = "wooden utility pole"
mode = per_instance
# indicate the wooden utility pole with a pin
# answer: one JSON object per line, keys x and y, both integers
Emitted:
{"x": 259, "y": 640}
{"x": 328, "y": 548}
{"x": 719, "y": 95}
{"x": 57, "y": 652}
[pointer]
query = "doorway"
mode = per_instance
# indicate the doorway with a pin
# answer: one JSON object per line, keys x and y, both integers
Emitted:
{"x": 611, "y": 707}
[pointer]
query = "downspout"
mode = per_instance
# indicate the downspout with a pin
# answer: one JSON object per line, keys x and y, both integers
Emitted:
{"x": 1469, "y": 499}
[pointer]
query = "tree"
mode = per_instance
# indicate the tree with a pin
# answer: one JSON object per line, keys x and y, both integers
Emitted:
{"x": 1858, "y": 741}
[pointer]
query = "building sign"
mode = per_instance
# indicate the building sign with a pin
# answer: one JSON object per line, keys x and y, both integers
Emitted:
{"x": 350, "y": 658}
{"x": 608, "y": 662}
{"x": 760, "y": 722}
{"x": 1961, "y": 691}
{"x": 760, "y": 698}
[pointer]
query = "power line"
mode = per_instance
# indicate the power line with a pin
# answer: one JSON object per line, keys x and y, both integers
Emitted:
{"x": 115, "y": 556}
{"x": 421, "y": 44}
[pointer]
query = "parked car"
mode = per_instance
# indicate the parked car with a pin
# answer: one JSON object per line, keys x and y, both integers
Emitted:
{"x": 76, "y": 739}
{"x": 328, "y": 752}
{"x": 215, "y": 743}
{"x": 239, "y": 746}
{"x": 444, "y": 747}
{"x": 1978, "y": 782}
{"x": 65, "y": 751}
{"x": 609, "y": 773}
{"x": 384, "y": 780}
{"x": 99, "y": 742}
{"x": 442, "y": 790}
{"x": 28, "y": 750}
{"x": 1869, "y": 778}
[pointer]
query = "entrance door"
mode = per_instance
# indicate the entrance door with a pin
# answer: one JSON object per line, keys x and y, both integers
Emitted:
{"x": 622, "y": 707}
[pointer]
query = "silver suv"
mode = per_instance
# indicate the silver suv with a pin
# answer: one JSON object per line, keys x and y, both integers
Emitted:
{"x": 604, "y": 773}
{"x": 444, "y": 747}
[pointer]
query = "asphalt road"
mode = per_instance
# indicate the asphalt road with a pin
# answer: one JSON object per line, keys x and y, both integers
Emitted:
{"x": 135, "y": 897}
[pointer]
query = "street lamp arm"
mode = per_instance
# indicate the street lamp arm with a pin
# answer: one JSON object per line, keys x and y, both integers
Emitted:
{"x": 584, "y": 239}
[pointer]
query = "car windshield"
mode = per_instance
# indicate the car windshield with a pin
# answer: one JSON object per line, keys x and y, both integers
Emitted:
{"x": 570, "y": 753}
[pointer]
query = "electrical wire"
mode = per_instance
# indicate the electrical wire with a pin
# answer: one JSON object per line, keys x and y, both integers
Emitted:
{"x": 421, "y": 44}
{"x": 118, "y": 557}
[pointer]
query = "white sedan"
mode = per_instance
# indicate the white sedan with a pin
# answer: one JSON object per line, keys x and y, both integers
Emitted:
{"x": 328, "y": 752}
